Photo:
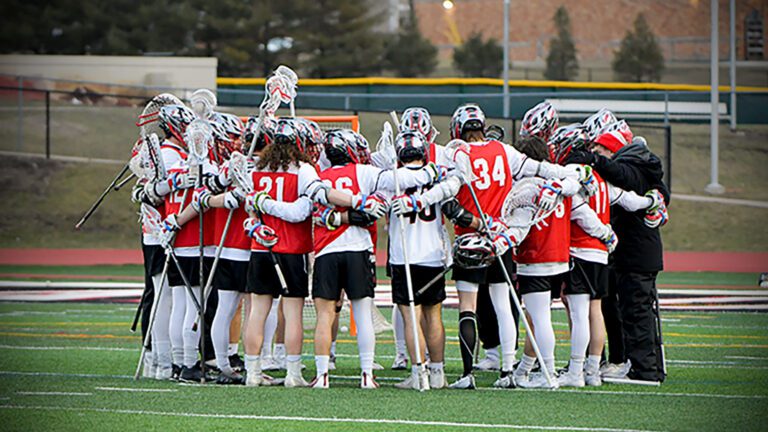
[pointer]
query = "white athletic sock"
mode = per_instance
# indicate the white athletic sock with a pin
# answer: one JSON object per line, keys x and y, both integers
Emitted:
{"x": 593, "y": 364}
{"x": 415, "y": 373}
{"x": 398, "y": 324}
{"x": 225, "y": 311}
{"x": 270, "y": 326}
{"x": 366, "y": 336}
{"x": 493, "y": 353}
{"x": 293, "y": 364}
{"x": 435, "y": 366}
{"x": 161, "y": 337}
{"x": 176, "y": 325}
{"x": 333, "y": 348}
{"x": 499, "y": 293}
{"x": 579, "y": 310}
{"x": 191, "y": 337}
{"x": 538, "y": 308}
{"x": 253, "y": 364}
{"x": 279, "y": 352}
{"x": 526, "y": 363}
{"x": 233, "y": 348}
{"x": 321, "y": 363}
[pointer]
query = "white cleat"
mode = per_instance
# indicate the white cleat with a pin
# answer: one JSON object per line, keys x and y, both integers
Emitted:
{"x": 437, "y": 379}
{"x": 293, "y": 381}
{"x": 507, "y": 382}
{"x": 368, "y": 382}
{"x": 487, "y": 364}
{"x": 400, "y": 362}
{"x": 163, "y": 374}
{"x": 377, "y": 366}
{"x": 150, "y": 365}
{"x": 537, "y": 380}
{"x": 613, "y": 370}
{"x": 593, "y": 379}
{"x": 331, "y": 363}
{"x": 320, "y": 382}
{"x": 269, "y": 364}
{"x": 571, "y": 379}
{"x": 467, "y": 382}
{"x": 254, "y": 380}
{"x": 408, "y": 384}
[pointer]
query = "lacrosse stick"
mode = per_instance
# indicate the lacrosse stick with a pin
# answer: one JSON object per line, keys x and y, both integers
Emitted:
{"x": 202, "y": 102}
{"x": 103, "y": 195}
{"x": 199, "y": 137}
{"x": 386, "y": 134}
{"x": 486, "y": 230}
{"x": 155, "y": 223}
{"x": 239, "y": 171}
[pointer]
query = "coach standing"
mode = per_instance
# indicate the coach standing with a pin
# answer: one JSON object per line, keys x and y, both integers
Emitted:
{"x": 638, "y": 257}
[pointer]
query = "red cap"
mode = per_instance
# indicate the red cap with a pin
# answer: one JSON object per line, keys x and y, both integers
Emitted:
{"x": 613, "y": 141}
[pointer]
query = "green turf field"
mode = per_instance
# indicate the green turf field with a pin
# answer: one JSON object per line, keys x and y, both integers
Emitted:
{"x": 69, "y": 367}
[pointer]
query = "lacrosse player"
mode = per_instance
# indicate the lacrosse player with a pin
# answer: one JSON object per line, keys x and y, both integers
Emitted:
{"x": 494, "y": 167}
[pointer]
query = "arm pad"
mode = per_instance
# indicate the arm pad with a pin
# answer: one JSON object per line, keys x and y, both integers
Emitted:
{"x": 358, "y": 218}
{"x": 456, "y": 213}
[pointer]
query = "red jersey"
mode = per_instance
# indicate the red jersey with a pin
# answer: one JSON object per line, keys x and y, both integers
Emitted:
{"x": 293, "y": 238}
{"x": 493, "y": 180}
{"x": 600, "y": 203}
{"x": 545, "y": 251}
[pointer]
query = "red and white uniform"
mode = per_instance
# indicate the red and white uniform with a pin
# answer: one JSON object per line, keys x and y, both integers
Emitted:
{"x": 353, "y": 179}
{"x": 587, "y": 247}
{"x": 294, "y": 230}
{"x": 544, "y": 252}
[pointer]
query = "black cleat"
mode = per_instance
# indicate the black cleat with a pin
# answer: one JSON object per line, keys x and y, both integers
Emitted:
{"x": 237, "y": 363}
{"x": 230, "y": 379}
{"x": 175, "y": 372}
{"x": 193, "y": 375}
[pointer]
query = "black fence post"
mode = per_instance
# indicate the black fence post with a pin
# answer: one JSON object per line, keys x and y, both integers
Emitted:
{"x": 47, "y": 125}
{"x": 668, "y": 155}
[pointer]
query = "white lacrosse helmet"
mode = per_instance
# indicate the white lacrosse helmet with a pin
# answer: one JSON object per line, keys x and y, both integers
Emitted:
{"x": 465, "y": 118}
{"x": 473, "y": 251}
{"x": 597, "y": 121}
{"x": 418, "y": 119}
{"x": 540, "y": 121}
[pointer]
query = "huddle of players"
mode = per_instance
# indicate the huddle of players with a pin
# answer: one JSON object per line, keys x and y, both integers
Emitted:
{"x": 321, "y": 193}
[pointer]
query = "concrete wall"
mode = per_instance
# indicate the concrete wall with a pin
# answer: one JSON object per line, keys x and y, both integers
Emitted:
{"x": 177, "y": 72}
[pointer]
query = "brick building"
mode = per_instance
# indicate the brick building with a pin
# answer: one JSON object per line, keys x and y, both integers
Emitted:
{"x": 681, "y": 26}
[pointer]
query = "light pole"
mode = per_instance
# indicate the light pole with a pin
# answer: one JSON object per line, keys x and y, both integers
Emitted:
{"x": 505, "y": 73}
{"x": 714, "y": 95}
{"x": 733, "y": 63}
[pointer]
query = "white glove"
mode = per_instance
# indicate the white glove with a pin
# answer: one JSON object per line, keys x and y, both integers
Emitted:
{"x": 263, "y": 234}
{"x": 373, "y": 205}
{"x": 170, "y": 228}
{"x": 137, "y": 192}
{"x": 233, "y": 198}
{"x": 405, "y": 204}
{"x": 254, "y": 202}
{"x": 548, "y": 195}
{"x": 436, "y": 172}
{"x": 609, "y": 239}
{"x": 587, "y": 179}
{"x": 502, "y": 243}
{"x": 183, "y": 180}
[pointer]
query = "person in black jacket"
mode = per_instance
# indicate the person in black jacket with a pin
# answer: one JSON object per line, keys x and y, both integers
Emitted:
{"x": 638, "y": 258}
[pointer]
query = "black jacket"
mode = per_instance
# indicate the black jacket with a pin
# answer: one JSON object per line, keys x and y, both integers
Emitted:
{"x": 633, "y": 168}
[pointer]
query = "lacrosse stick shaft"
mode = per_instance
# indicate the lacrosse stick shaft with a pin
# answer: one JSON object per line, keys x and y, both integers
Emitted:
{"x": 201, "y": 275}
{"x": 511, "y": 287}
{"x": 103, "y": 195}
{"x": 136, "y": 316}
{"x": 219, "y": 248}
{"x": 152, "y": 314}
{"x": 125, "y": 181}
{"x": 660, "y": 334}
{"x": 433, "y": 281}
{"x": 408, "y": 279}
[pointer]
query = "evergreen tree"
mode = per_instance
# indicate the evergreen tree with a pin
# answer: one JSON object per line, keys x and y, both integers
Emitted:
{"x": 562, "y": 64}
{"x": 475, "y": 58}
{"x": 410, "y": 54}
{"x": 639, "y": 58}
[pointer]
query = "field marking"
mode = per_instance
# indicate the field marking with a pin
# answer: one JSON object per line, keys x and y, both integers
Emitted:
{"x": 42, "y": 393}
{"x": 350, "y": 377}
{"x": 63, "y": 348}
{"x": 323, "y": 419}
{"x": 64, "y": 323}
{"x": 747, "y": 357}
{"x": 68, "y": 335}
{"x": 128, "y": 389}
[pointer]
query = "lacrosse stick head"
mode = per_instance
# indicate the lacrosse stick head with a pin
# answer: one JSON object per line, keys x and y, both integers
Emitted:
{"x": 140, "y": 164}
{"x": 473, "y": 251}
{"x": 152, "y": 219}
{"x": 291, "y": 80}
{"x": 239, "y": 172}
{"x": 199, "y": 138}
{"x": 385, "y": 146}
{"x": 202, "y": 102}
{"x": 153, "y": 148}
{"x": 148, "y": 119}
{"x": 457, "y": 150}
{"x": 524, "y": 194}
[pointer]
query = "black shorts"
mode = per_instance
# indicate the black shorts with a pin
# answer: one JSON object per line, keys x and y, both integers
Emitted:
{"x": 262, "y": 276}
{"x": 488, "y": 275}
{"x": 231, "y": 275}
{"x": 420, "y": 275}
{"x": 191, "y": 268}
{"x": 534, "y": 284}
{"x": 587, "y": 277}
{"x": 154, "y": 259}
{"x": 353, "y": 272}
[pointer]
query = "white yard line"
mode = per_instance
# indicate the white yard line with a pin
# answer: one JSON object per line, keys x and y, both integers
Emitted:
{"x": 747, "y": 357}
{"x": 66, "y": 348}
{"x": 321, "y": 419}
{"x": 32, "y": 393}
{"x": 729, "y": 201}
{"x": 128, "y": 389}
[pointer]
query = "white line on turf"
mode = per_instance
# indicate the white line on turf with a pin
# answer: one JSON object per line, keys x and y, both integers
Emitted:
{"x": 31, "y": 393}
{"x": 67, "y": 348}
{"x": 747, "y": 357}
{"x": 322, "y": 419}
{"x": 128, "y": 389}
